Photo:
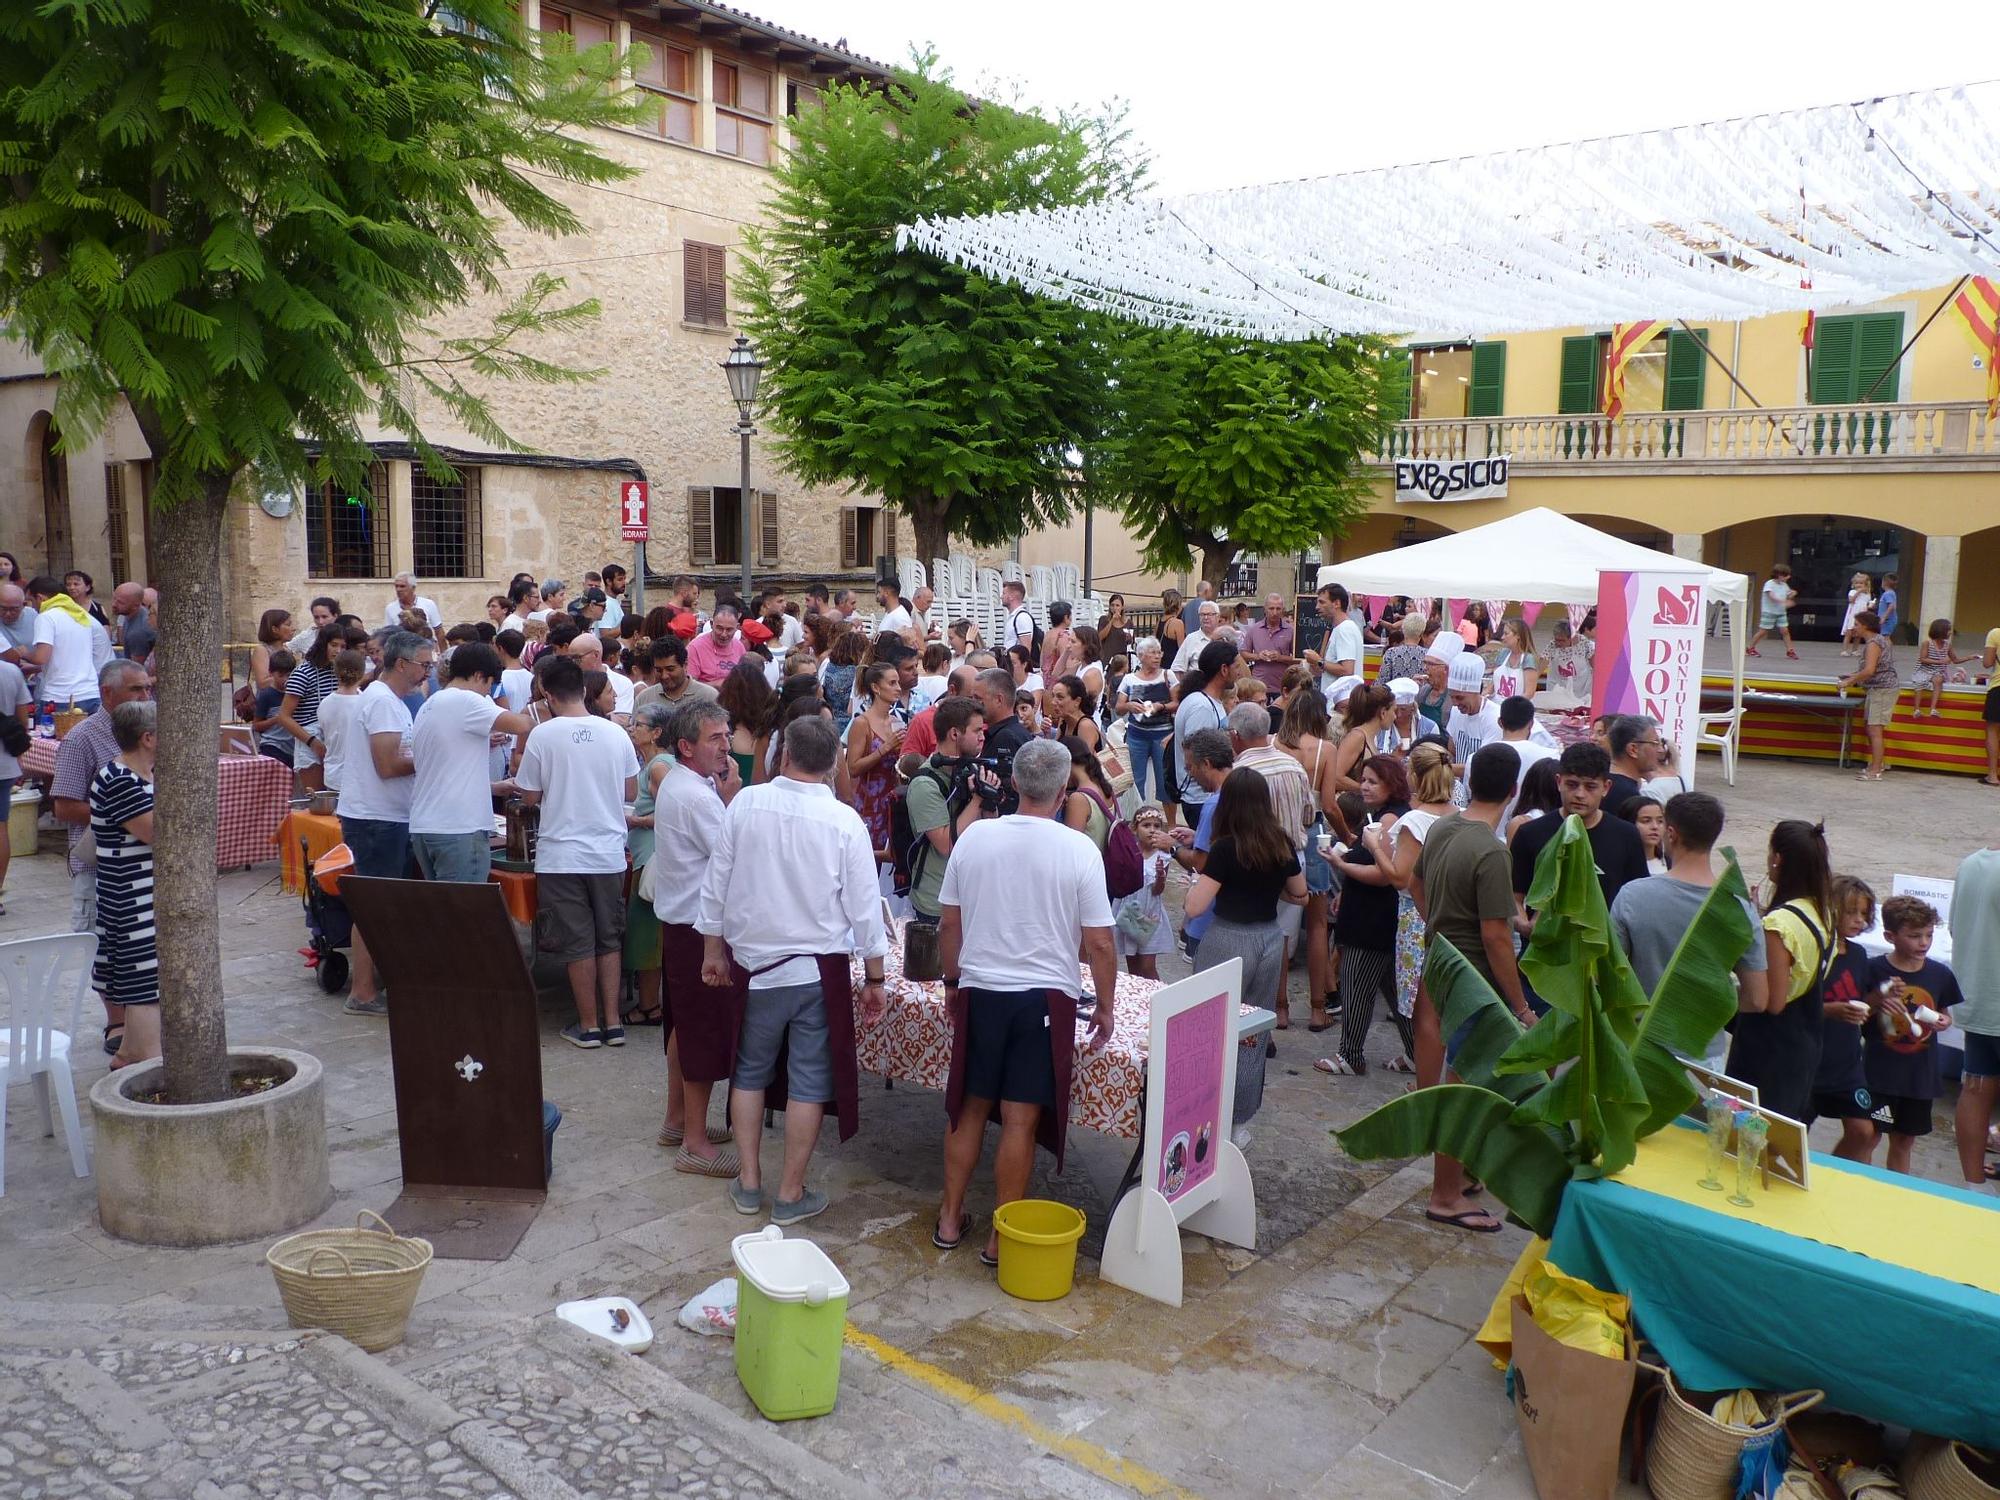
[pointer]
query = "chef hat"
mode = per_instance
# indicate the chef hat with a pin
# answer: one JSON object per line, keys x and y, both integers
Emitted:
{"x": 1445, "y": 647}
{"x": 1404, "y": 689}
{"x": 1337, "y": 691}
{"x": 1468, "y": 674}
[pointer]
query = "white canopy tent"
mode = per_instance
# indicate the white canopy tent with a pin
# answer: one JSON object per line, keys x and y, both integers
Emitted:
{"x": 1538, "y": 556}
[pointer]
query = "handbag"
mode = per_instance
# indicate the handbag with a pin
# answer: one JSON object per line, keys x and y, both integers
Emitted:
{"x": 14, "y": 736}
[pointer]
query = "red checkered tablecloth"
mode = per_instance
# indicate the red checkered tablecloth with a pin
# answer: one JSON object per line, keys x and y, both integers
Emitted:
{"x": 912, "y": 1043}
{"x": 253, "y": 793}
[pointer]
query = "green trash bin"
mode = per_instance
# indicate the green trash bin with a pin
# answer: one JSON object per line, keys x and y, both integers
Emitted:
{"x": 791, "y": 1317}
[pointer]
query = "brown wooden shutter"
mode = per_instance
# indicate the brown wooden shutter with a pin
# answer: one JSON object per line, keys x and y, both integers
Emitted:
{"x": 704, "y": 284}
{"x": 716, "y": 290}
{"x": 767, "y": 528}
{"x": 850, "y": 538}
{"x": 701, "y": 527}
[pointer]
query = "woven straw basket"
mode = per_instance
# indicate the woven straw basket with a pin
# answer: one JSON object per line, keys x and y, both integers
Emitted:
{"x": 359, "y": 1283}
{"x": 1695, "y": 1457}
{"x": 1936, "y": 1470}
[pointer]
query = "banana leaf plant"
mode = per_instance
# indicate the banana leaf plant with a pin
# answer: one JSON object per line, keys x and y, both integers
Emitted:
{"x": 1573, "y": 1095}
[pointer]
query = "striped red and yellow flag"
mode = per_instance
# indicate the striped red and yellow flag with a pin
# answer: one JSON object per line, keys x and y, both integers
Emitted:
{"x": 1978, "y": 308}
{"x": 1627, "y": 339}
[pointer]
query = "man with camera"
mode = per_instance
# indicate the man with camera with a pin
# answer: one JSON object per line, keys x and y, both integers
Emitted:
{"x": 1005, "y": 733}
{"x": 951, "y": 793}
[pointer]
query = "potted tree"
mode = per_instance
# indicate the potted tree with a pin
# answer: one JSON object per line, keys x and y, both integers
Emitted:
{"x": 236, "y": 220}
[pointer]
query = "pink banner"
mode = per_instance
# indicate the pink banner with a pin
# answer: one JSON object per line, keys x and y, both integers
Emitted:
{"x": 1423, "y": 605}
{"x": 1649, "y": 648}
{"x": 1454, "y": 610}
{"x": 1531, "y": 613}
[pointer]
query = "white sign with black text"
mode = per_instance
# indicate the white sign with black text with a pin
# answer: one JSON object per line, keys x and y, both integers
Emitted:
{"x": 1468, "y": 479}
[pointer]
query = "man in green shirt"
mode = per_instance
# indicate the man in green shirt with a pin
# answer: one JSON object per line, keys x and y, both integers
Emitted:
{"x": 961, "y": 734}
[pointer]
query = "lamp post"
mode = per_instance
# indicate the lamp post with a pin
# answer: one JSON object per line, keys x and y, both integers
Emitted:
{"x": 744, "y": 369}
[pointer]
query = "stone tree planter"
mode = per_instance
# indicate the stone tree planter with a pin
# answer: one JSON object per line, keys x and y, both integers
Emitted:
{"x": 206, "y": 1174}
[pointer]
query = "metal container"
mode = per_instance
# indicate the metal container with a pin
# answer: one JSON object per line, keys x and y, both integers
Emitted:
{"x": 322, "y": 804}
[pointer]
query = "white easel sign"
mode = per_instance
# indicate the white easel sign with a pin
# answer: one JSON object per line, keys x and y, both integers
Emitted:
{"x": 1190, "y": 1172}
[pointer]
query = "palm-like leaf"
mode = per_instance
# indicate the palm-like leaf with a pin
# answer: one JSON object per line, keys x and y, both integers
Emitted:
{"x": 1526, "y": 1166}
{"x": 1460, "y": 994}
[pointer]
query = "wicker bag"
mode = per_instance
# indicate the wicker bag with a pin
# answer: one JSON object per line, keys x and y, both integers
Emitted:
{"x": 359, "y": 1283}
{"x": 1695, "y": 1457}
{"x": 66, "y": 719}
{"x": 1938, "y": 1470}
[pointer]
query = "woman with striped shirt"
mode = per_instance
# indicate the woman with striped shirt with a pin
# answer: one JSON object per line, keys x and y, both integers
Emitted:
{"x": 127, "y": 971}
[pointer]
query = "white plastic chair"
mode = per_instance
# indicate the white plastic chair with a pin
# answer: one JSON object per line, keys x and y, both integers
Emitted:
{"x": 42, "y": 983}
{"x": 1719, "y": 732}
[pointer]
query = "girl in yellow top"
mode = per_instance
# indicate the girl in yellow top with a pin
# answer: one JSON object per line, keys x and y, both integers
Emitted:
{"x": 1778, "y": 1049}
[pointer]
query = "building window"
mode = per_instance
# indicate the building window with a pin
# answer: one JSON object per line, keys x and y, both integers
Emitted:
{"x": 445, "y": 525}
{"x": 743, "y": 111}
{"x": 800, "y": 97}
{"x": 116, "y": 522}
{"x": 584, "y": 30}
{"x": 865, "y": 534}
{"x": 1450, "y": 382}
{"x": 347, "y": 530}
{"x": 704, "y": 284}
{"x": 1857, "y": 358}
{"x": 715, "y": 527}
{"x": 667, "y": 81}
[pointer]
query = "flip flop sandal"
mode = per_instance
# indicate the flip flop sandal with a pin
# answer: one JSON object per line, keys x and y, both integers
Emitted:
{"x": 718, "y": 1135}
{"x": 1474, "y": 1187}
{"x": 1338, "y": 1066}
{"x": 1318, "y": 1026}
{"x": 725, "y": 1163}
{"x": 636, "y": 1017}
{"x": 1400, "y": 1064}
{"x": 991, "y": 1262}
{"x": 113, "y": 1043}
{"x": 964, "y": 1223}
{"x": 1465, "y": 1220}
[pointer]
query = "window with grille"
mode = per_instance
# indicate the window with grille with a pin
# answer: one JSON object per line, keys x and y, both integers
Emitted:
{"x": 666, "y": 78}
{"x": 715, "y": 527}
{"x": 743, "y": 111}
{"x": 116, "y": 522}
{"x": 347, "y": 530}
{"x": 704, "y": 284}
{"x": 445, "y": 525}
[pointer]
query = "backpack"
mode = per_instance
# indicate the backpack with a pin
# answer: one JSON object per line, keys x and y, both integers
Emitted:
{"x": 907, "y": 847}
{"x": 1124, "y": 860}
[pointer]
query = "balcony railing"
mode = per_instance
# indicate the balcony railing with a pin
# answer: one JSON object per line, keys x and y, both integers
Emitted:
{"x": 1910, "y": 431}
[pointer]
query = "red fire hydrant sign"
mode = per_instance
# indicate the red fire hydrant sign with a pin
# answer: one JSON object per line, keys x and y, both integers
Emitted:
{"x": 632, "y": 510}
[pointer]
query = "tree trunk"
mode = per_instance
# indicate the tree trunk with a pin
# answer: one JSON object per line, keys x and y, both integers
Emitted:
{"x": 928, "y": 517}
{"x": 1215, "y": 557}
{"x": 188, "y": 551}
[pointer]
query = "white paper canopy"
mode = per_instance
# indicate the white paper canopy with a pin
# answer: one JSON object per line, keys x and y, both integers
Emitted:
{"x": 1814, "y": 208}
{"x": 1539, "y": 556}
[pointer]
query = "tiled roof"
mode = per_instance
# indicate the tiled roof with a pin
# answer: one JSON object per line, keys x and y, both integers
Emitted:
{"x": 837, "y": 50}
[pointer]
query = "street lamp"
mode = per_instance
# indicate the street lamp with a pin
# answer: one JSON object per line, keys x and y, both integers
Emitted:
{"x": 744, "y": 369}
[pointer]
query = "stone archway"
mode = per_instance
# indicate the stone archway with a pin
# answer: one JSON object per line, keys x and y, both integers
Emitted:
{"x": 49, "y": 473}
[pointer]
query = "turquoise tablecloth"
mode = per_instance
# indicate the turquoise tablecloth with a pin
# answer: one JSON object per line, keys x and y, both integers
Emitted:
{"x": 1729, "y": 1304}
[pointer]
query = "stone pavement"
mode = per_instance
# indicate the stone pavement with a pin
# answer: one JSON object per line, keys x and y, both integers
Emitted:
{"x": 1334, "y": 1359}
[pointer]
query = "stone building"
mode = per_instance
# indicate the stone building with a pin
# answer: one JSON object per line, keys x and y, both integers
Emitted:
{"x": 660, "y": 253}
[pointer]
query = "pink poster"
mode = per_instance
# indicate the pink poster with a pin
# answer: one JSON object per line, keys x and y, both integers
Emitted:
{"x": 1649, "y": 651}
{"x": 1191, "y": 1113}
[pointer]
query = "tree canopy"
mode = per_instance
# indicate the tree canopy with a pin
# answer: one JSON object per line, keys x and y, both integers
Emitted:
{"x": 960, "y": 401}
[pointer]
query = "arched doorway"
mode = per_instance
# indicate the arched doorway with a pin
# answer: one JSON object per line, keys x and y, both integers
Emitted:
{"x": 51, "y": 470}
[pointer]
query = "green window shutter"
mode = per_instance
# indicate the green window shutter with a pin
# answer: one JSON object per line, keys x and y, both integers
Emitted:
{"x": 1833, "y": 363}
{"x": 1489, "y": 379}
{"x": 1582, "y": 372}
{"x": 1878, "y": 343}
{"x": 1687, "y": 368}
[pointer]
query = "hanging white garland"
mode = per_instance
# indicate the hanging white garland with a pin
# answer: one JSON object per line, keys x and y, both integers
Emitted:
{"x": 1703, "y": 221}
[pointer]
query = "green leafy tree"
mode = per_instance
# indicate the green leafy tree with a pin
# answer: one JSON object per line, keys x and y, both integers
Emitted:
{"x": 1217, "y": 446}
{"x": 1573, "y": 1095}
{"x": 961, "y": 401}
{"x": 237, "y": 216}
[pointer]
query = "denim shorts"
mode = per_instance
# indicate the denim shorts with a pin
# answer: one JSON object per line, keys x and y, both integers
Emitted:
{"x": 791, "y": 1018}
{"x": 380, "y": 848}
{"x": 463, "y": 857}
{"x": 1982, "y": 1055}
{"x": 6, "y": 793}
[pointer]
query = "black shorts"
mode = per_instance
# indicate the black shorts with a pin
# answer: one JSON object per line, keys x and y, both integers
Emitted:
{"x": 1899, "y": 1114}
{"x": 1007, "y": 1047}
{"x": 1992, "y": 711}
{"x": 1841, "y": 1104}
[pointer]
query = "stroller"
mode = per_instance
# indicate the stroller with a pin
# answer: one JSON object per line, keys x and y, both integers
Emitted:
{"x": 329, "y": 925}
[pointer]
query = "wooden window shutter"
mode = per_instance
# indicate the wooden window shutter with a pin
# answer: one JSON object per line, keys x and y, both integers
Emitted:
{"x": 850, "y": 537}
{"x": 767, "y": 528}
{"x": 701, "y": 527}
{"x": 704, "y": 284}
{"x": 1489, "y": 379}
{"x": 1833, "y": 360}
{"x": 1687, "y": 370}
{"x": 1878, "y": 348}
{"x": 1581, "y": 373}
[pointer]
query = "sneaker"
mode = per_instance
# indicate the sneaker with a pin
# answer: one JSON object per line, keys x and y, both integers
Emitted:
{"x": 746, "y": 1200}
{"x": 379, "y": 1006}
{"x": 612, "y": 1036}
{"x": 576, "y": 1036}
{"x": 805, "y": 1206}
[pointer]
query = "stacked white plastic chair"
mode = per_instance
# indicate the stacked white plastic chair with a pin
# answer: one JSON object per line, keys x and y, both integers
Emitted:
{"x": 42, "y": 984}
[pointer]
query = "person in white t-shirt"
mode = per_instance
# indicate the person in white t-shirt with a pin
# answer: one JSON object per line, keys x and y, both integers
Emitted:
{"x": 338, "y": 711}
{"x": 1208, "y": 620}
{"x": 63, "y": 649}
{"x": 375, "y": 788}
{"x": 451, "y": 743}
{"x": 1021, "y": 895}
{"x": 407, "y": 597}
{"x": 1474, "y": 719}
{"x": 895, "y": 618}
{"x": 1343, "y": 653}
{"x": 1516, "y": 718}
{"x": 1017, "y": 628}
{"x": 581, "y": 771}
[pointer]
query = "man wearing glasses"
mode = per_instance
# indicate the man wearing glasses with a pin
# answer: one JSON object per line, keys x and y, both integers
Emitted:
{"x": 1635, "y": 757}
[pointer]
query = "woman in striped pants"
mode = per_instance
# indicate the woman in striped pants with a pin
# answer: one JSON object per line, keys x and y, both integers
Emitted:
{"x": 1365, "y": 925}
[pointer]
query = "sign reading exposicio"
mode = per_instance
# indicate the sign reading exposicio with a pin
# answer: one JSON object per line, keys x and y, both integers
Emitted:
{"x": 1468, "y": 479}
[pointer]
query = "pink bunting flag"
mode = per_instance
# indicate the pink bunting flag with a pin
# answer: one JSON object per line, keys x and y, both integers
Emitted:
{"x": 1530, "y": 613}
{"x": 1382, "y": 604}
{"x": 1576, "y": 614}
{"x": 1422, "y": 605}
{"x": 1496, "y": 611}
{"x": 1454, "y": 609}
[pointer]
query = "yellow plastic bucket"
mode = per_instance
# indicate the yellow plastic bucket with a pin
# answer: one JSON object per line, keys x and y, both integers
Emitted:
{"x": 1037, "y": 1248}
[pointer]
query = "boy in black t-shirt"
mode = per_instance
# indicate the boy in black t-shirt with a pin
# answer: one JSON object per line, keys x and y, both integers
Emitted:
{"x": 1901, "y": 1050}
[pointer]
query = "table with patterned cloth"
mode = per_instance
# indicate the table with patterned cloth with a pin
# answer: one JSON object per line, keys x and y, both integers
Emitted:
{"x": 912, "y": 1043}
{"x": 253, "y": 793}
{"x": 1571, "y": 727}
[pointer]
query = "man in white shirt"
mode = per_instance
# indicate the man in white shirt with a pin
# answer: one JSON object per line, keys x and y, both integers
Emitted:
{"x": 524, "y": 604}
{"x": 1474, "y": 720}
{"x": 407, "y": 597}
{"x": 1208, "y": 620}
{"x": 701, "y": 1031}
{"x": 786, "y": 629}
{"x": 581, "y": 771}
{"x": 375, "y": 789}
{"x": 922, "y": 628}
{"x": 451, "y": 744}
{"x": 789, "y": 893}
{"x": 613, "y": 583}
{"x": 895, "y": 617}
{"x": 64, "y": 649}
{"x": 1021, "y": 895}
{"x": 1516, "y": 718}
{"x": 1018, "y": 629}
{"x": 1343, "y": 654}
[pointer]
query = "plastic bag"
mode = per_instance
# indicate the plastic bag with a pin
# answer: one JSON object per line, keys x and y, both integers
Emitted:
{"x": 712, "y": 1310}
{"x": 1496, "y": 1334}
{"x": 1576, "y": 1313}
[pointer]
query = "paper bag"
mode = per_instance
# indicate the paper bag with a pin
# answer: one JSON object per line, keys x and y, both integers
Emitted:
{"x": 1571, "y": 1406}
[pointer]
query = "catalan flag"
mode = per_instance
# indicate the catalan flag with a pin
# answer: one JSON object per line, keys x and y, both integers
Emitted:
{"x": 1978, "y": 307}
{"x": 1627, "y": 339}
